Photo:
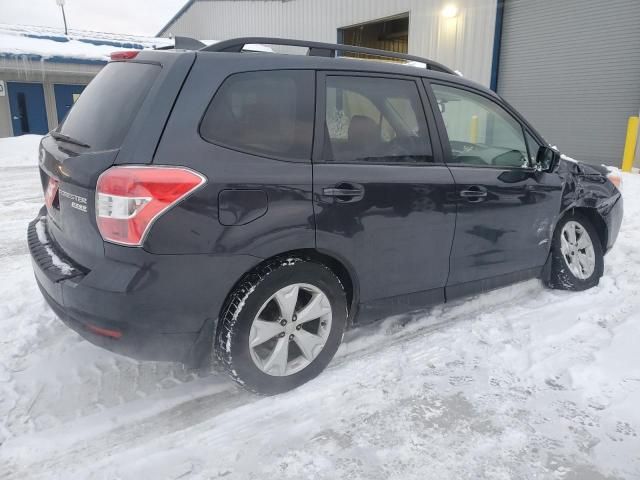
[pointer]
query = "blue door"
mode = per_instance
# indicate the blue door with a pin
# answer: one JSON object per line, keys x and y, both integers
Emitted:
{"x": 66, "y": 96}
{"x": 28, "y": 112}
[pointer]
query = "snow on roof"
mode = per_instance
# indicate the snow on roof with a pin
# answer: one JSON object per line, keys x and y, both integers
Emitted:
{"x": 37, "y": 43}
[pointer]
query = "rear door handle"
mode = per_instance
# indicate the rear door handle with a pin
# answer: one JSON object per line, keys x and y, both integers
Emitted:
{"x": 344, "y": 192}
{"x": 474, "y": 193}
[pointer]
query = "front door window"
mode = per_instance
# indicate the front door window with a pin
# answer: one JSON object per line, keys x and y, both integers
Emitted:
{"x": 480, "y": 131}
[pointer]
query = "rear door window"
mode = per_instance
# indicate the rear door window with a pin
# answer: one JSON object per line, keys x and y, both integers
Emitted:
{"x": 372, "y": 119}
{"x": 103, "y": 113}
{"x": 266, "y": 113}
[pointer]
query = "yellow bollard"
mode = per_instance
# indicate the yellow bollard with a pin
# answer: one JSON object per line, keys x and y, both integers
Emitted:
{"x": 630, "y": 144}
{"x": 474, "y": 129}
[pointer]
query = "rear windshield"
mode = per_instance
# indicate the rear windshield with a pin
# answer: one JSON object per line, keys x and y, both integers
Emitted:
{"x": 103, "y": 113}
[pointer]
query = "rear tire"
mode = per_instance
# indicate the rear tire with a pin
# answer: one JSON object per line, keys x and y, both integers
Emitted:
{"x": 577, "y": 258}
{"x": 281, "y": 325}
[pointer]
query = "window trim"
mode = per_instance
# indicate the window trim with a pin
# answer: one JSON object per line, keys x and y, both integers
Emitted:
{"x": 255, "y": 153}
{"x": 528, "y": 132}
{"x": 444, "y": 135}
{"x": 317, "y": 156}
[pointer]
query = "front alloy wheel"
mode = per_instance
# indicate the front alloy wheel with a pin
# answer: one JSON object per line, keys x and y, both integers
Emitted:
{"x": 577, "y": 258}
{"x": 577, "y": 249}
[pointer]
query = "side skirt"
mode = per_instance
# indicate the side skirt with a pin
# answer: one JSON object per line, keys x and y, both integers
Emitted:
{"x": 385, "y": 307}
{"x": 480, "y": 286}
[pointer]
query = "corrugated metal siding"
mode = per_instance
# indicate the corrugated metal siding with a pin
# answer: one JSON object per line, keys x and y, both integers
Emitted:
{"x": 464, "y": 43}
{"x": 572, "y": 67}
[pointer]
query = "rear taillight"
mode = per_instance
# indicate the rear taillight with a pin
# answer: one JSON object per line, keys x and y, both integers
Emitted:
{"x": 129, "y": 199}
{"x": 124, "y": 55}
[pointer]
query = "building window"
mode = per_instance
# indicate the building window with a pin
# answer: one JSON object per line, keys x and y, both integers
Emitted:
{"x": 390, "y": 34}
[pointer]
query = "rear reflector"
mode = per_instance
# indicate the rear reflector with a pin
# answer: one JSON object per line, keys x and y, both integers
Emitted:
{"x": 105, "y": 332}
{"x": 124, "y": 55}
{"x": 129, "y": 199}
{"x": 50, "y": 192}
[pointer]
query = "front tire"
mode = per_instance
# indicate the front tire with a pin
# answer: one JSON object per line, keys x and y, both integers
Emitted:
{"x": 282, "y": 325}
{"x": 577, "y": 258}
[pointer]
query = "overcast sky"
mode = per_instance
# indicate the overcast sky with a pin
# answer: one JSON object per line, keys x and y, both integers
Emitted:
{"x": 135, "y": 17}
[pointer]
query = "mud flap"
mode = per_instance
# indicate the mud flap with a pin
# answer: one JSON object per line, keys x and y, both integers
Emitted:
{"x": 545, "y": 273}
{"x": 200, "y": 352}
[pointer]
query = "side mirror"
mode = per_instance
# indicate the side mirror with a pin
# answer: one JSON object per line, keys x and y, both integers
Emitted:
{"x": 547, "y": 159}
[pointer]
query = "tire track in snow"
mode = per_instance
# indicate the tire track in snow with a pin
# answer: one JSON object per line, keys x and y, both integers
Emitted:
{"x": 391, "y": 334}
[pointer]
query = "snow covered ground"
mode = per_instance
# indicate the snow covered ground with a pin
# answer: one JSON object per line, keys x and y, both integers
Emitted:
{"x": 523, "y": 382}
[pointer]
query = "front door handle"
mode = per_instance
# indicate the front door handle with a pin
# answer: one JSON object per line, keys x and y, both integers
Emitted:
{"x": 344, "y": 192}
{"x": 475, "y": 193}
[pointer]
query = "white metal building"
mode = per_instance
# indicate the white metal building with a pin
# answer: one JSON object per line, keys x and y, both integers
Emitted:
{"x": 572, "y": 67}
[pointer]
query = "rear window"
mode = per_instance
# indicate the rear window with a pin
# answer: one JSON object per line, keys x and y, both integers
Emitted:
{"x": 103, "y": 113}
{"x": 267, "y": 113}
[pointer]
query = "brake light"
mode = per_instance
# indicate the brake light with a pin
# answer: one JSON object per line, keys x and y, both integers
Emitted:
{"x": 129, "y": 199}
{"x": 124, "y": 55}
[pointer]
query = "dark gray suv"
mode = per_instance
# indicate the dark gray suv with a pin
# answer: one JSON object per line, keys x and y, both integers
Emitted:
{"x": 255, "y": 205}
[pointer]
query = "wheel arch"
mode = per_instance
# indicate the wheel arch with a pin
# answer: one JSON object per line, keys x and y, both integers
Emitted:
{"x": 340, "y": 268}
{"x": 594, "y": 217}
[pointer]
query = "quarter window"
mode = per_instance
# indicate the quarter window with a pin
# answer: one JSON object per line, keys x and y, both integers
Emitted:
{"x": 533, "y": 146}
{"x": 480, "y": 131}
{"x": 375, "y": 120}
{"x": 268, "y": 113}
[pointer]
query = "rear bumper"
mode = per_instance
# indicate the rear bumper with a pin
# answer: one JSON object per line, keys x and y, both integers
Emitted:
{"x": 145, "y": 306}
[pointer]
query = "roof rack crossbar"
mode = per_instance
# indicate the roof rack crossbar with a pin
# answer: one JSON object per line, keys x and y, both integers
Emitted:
{"x": 320, "y": 49}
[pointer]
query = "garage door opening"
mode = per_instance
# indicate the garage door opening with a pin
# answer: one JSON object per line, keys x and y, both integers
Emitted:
{"x": 390, "y": 34}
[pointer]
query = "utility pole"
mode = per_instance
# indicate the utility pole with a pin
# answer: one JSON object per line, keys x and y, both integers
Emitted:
{"x": 60, "y": 3}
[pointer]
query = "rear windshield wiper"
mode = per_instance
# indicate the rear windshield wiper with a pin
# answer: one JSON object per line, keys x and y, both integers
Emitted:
{"x": 68, "y": 139}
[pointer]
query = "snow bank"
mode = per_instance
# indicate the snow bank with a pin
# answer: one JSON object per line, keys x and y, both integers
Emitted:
{"x": 19, "y": 151}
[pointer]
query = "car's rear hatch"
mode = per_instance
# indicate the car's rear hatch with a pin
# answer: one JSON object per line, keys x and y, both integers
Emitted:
{"x": 118, "y": 119}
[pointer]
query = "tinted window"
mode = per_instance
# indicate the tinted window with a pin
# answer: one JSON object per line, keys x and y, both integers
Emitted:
{"x": 103, "y": 113}
{"x": 264, "y": 113}
{"x": 480, "y": 131}
{"x": 375, "y": 120}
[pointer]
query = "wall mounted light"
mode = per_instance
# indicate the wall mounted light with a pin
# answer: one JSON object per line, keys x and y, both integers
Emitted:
{"x": 450, "y": 11}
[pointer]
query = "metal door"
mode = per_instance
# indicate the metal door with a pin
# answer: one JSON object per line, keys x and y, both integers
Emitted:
{"x": 66, "y": 96}
{"x": 28, "y": 112}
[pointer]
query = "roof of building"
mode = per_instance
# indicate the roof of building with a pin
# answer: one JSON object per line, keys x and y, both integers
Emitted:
{"x": 78, "y": 46}
{"x": 178, "y": 14}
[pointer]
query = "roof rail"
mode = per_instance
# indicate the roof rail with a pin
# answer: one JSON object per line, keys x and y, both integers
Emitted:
{"x": 320, "y": 49}
{"x": 184, "y": 43}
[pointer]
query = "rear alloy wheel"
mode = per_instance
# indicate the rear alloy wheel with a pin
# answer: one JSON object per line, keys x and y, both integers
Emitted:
{"x": 282, "y": 325}
{"x": 577, "y": 256}
{"x": 290, "y": 329}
